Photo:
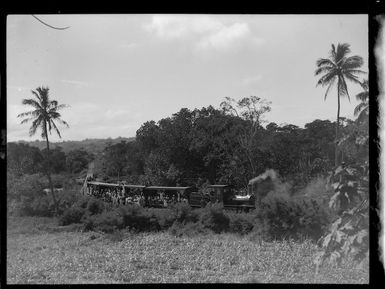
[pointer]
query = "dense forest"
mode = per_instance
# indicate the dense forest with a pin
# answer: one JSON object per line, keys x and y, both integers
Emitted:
{"x": 230, "y": 144}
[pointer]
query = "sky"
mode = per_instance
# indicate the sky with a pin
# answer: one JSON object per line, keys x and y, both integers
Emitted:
{"x": 118, "y": 71}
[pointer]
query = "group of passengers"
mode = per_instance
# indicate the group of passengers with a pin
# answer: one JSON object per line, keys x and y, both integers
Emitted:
{"x": 164, "y": 200}
{"x": 120, "y": 197}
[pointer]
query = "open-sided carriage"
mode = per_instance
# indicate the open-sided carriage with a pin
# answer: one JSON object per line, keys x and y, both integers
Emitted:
{"x": 116, "y": 193}
{"x": 162, "y": 197}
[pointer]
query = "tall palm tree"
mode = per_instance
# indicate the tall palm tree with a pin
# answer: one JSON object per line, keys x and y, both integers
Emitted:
{"x": 43, "y": 116}
{"x": 337, "y": 69}
{"x": 362, "y": 109}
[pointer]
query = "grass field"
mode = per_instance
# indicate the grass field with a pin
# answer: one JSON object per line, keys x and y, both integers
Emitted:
{"x": 39, "y": 251}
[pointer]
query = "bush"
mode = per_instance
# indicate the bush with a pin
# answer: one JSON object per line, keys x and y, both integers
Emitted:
{"x": 82, "y": 202}
{"x": 95, "y": 206}
{"x": 187, "y": 229}
{"x": 26, "y": 196}
{"x": 134, "y": 217}
{"x": 71, "y": 216}
{"x": 241, "y": 223}
{"x": 184, "y": 213}
{"x": 213, "y": 218}
{"x": 25, "y": 193}
{"x": 282, "y": 217}
{"x": 106, "y": 222}
{"x": 165, "y": 217}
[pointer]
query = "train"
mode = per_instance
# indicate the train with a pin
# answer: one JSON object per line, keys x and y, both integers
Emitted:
{"x": 165, "y": 196}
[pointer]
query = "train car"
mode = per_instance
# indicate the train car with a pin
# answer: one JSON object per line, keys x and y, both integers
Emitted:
{"x": 162, "y": 196}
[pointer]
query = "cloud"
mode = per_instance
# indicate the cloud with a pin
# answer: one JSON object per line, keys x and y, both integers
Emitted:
{"x": 76, "y": 82}
{"x": 111, "y": 114}
{"x": 178, "y": 26}
{"x": 127, "y": 45}
{"x": 18, "y": 88}
{"x": 251, "y": 80}
{"x": 225, "y": 38}
{"x": 206, "y": 32}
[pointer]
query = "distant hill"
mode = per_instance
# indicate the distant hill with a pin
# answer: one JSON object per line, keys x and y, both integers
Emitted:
{"x": 93, "y": 145}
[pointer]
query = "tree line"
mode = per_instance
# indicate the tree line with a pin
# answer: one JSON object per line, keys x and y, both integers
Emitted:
{"x": 202, "y": 145}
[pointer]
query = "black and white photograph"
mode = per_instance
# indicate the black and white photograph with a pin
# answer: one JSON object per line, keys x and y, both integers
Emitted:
{"x": 187, "y": 148}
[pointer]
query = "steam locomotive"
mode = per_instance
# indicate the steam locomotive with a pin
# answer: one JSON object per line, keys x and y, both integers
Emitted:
{"x": 163, "y": 196}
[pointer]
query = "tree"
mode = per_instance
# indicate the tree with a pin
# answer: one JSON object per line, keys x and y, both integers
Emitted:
{"x": 339, "y": 68}
{"x": 78, "y": 160}
{"x": 251, "y": 109}
{"x": 23, "y": 159}
{"x": 57, "y": 160}
{"x": 115, "y": 159}
{"x": 362, "y": 108}
{"x": 43, "y": 117}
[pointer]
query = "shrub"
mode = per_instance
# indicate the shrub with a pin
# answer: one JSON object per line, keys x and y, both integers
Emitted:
{"x": 106, "y": 222}
{"x": 165, "y": 217}
{"x": 66, "y": 199}
{"x": 283, "y": 217}
{"x": 95, "y": 206}
{"x": 348, "y": 235}
{"x": 184, "y": 213}
{"x": 213, "y": 218}
{"x": 241, "y": 223}
{"x": 187, "y": 229}
{"x": 26, "y": 195}
{"x": 82, "y": 202}
{"x": 71, "y": 216}
{"x": 135, "y": 217}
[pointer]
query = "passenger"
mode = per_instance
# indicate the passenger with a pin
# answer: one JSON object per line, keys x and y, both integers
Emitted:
{"x": 141, "y": 201}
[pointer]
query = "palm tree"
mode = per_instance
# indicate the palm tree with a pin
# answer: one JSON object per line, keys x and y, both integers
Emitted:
{"x": 337, "y": 69}
{"x": 43, "y": 116}
{"x": 362, "y": 109}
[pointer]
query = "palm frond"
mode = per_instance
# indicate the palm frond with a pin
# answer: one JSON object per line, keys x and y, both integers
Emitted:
{"x": 353, "y": 62}
{"x": 364, "y": 113}
{"x": 35, "y": 124}
{"x": 325, "y": 62}
{"x": 332, "y": 52}
{"x": 362, "y": 96}
{"x": 32, "y": 102}
{"x": 323, "y": 69}
{"x": 343, "y": 87}
{"x": 24, "y": 114}
{"x": 325, "y": 80}
{"x": 53, "y": 103}
{"x": 352, "y": 78}
{"x": 361, "y": 106}
{"x": 341, "y": 52}
{"x": 53, "y": 114}
{"x": 55, "y": 127}
{"x": 329, "y": 87}
{"x": 60, "y": 106}
{"x": 36, "y": 94}
{"x": 365, "y": 84}
{"x": 62, "y": 122}
{"x": 44, "y": 95}
{"x": 354, "y": 71}
{"x": 27, "y": 120}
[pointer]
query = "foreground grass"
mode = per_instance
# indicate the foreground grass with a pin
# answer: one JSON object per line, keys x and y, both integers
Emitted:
{"x": 39, "y": 251}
